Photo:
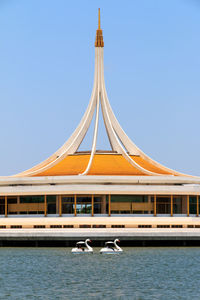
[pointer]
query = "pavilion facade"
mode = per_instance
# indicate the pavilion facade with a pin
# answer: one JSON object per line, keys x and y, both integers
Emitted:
{"x": 120, "y": 187}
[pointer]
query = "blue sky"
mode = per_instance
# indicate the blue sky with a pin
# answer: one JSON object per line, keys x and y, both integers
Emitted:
{"x": 152, "y": 74}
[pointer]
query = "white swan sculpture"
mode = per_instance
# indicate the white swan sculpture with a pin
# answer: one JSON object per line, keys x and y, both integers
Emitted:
{"x": 111, "y": 247}
{"x": 82, "y": 247}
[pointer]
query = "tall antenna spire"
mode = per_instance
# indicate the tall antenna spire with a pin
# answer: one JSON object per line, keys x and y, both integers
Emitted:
{"x": 99, "y": 33}
{"x": 99, "y": 20}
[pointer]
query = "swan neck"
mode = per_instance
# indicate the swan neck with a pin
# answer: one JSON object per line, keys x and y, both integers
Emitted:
{"x": 89, "y": 248}
{"x": 116, "y": 246}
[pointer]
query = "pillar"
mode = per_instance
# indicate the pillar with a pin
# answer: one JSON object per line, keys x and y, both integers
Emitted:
{"x": 184, "y": 205}
{"x": 149, "y": 202}
{"x": 103, "y": 204}
{"x": 109, "y": 205}
{"x": 57, "y": 204}
{"x": 60, "y": 206}
{"x": 155, "y": 213}
{"x": 75, "y": 205}
{"x": 92, "y": 205}
{"x": 6, "y": 206}
{"x": 188, "y": 205}
{"x": 18, "y": 202}
{"x": 45, "y": 205}
{"x": 197, "y": 205}
{"x": 171, "y": 205}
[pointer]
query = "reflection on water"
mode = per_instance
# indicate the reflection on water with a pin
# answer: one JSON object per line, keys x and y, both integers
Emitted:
{"x": 138, "y": 273}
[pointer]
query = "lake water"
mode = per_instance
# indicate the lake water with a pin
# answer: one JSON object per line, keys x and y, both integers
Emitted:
{"x": 138, "y": 273}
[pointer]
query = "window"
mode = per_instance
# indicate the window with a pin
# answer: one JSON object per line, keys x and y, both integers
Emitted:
{"x": 100, "y": 204}
{"x": 55, "y": 226}
{"x": 2, "y": 226}
{"x": 144, "y": 226}
{"x": 177, "y": 204}
{"x": 163, "y": 204}
{"x": 193, "y": 205}
{"x": 51, "y": 204}
{"x": 84, "y": 205}
{"x": 2, "y": 205}
{"x": 12, "y": 205}
{"x": 16, "y": 226}
{"x": 98, "y": 226}
{"x": 68, "y": 226}
{"x": 163, "y": 226}
{"x": 130, "y": 204}
{"x": 39, "y": 226}
{"x": 177, "y": 226}
{"x": 117, "y": 226}
{"x": 84, "y": 226}
{"x": 28, "y": 205}
{"x": 68, "y": 204}
{"x": 31, "y": 199}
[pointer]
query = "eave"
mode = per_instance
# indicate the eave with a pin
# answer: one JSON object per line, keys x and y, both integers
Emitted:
{"x": 82, "y": 185}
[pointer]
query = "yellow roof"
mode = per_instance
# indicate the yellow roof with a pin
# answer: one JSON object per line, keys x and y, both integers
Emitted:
{"x": 103, "y": 164}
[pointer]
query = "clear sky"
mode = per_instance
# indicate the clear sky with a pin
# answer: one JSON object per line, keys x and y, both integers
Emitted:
{"x": 152, "y": 73}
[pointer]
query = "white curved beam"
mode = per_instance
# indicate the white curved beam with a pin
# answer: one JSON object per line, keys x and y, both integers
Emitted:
{"x": 94, "y": 143}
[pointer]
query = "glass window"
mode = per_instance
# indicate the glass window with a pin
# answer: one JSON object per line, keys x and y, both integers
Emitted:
{"x": 100, "y": 204}
{"x": 163, "y": 205}
{"x": 84, "y": 205}
{"x": 130, "y": 204}
{"x": 2, "y": 205}
{"x": 31, "y": 199}
{"x": 29, "y": 205}
{"x": 68, "y": 204}
{"x": 51, "y": 204}
{"x": 193, "y": 205}
{"x": 177, "y": 205}
{"x": 13, "y": 208}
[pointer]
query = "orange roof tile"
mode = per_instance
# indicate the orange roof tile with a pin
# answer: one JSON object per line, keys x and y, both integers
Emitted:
{"x": 103, "y": 164}
{"x": 148, "y": 166}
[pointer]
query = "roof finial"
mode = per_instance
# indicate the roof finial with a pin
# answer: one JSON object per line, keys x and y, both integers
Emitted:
{"x": 99, "y": 21}
{"x": 99, "y": 35}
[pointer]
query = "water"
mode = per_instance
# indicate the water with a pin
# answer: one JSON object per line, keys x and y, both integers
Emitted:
{"x": 138, "y": 273}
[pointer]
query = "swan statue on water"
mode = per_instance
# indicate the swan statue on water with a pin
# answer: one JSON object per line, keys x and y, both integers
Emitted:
{"x": 82, "y": 247}
{"x": 111, "y": 247}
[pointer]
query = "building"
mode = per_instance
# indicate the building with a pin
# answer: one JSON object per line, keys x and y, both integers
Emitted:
{"x": 119, "y": 188}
